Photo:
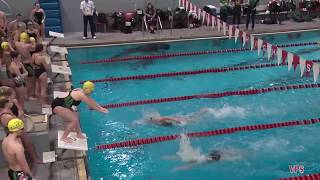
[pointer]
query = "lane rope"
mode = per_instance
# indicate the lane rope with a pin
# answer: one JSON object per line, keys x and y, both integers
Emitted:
{"x": 304, "y": 177}
{"x": 212, "y": 95}
{"x": 158, "y": 139}
{"x": 183, "y": 73}
{"x": 130, "y": 58}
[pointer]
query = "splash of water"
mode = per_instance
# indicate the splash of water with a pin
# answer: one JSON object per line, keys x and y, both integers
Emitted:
{"x": 187, "y": 153}
{"x": 226, "y": 111}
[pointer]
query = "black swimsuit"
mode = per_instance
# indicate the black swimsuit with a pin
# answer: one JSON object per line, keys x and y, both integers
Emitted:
{"x": 38, "y": 17}
{"x": 38, "y": 69}
{"x": 15, "y": 110}
{"x": 66, "y": 102}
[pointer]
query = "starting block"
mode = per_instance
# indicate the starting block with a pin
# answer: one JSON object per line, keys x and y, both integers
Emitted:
{"x": 77, "y": 144}
{"x": 55, "y": 34}
{"x": 61, "y": 69}
{"x": 49, "y": 157}
{"x": 57, "y": 49}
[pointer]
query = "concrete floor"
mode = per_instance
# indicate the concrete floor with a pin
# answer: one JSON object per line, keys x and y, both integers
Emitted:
{"x": 75, "y": 39}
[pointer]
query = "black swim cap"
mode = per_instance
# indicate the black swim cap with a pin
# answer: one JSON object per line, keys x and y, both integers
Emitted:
{"x": 215, "y": 155}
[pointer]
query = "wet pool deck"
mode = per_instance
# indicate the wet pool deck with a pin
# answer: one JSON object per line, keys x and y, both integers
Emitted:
{"x": 75, "y": 39}
{"x": 69, "y": 169}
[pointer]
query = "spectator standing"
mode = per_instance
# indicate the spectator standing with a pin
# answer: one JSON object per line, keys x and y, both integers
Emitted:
{"x": 237, "y": 11}
{"x": 87, "y": 8}
{"x": 151, "y": 17}
{"x": 38, "y": 16}
{"x": 251, "y": 13}
{"x": 224, "y": 10}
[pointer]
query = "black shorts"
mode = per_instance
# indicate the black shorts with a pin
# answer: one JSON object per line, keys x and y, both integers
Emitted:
{"x": 57, "y": 102}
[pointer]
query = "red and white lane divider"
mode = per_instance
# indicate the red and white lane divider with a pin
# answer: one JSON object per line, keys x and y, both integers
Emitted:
{"x": 304, "y": 177}
{"x": 130, "y": 58}
{"x": 158, "y": 139}
{"x": 212, "y": 95}
{"x": 183, "y": 73}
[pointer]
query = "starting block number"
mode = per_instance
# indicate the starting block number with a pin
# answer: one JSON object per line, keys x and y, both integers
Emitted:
{"x": 57, "y": 49}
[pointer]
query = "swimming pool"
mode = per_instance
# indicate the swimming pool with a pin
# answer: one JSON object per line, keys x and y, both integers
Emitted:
{"x": 249, "y": 155}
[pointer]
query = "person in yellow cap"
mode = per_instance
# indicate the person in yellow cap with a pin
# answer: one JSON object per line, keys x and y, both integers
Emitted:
{"x": 63, "y": 106}
{"x": 13, "y": 151}
{"x": 24, "y": 37}
{"x": 4, "y": 45}
{"x": 24, "y": 48}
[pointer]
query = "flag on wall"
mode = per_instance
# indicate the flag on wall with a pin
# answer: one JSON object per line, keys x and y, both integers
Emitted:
{"x": 269, "y": 51}
{"x": 236, "y": 34}
{"x": 260, "y": 41}
{"x": 279, "y": 55}
{"x": 224, "y": 28}
{"x": 284, "y": 56}
{"x": 302, "y": 66}
{"x": 290, "y": 60}
{"x": 230, "y": 31}
{"x": 296, "y": 60}
{"x": 309, "y": 65}
{"x": 315, "y": 71}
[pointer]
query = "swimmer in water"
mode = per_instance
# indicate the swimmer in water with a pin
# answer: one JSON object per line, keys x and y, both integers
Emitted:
{"x": 166, "y": 120}
{"x": 213, "y": 156}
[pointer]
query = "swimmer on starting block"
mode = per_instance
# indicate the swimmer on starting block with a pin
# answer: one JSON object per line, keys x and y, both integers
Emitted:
{"x": 62, "y": 106}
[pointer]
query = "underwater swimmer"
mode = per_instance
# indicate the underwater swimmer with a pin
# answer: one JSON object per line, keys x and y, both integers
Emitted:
{"x": 166, "y": 120}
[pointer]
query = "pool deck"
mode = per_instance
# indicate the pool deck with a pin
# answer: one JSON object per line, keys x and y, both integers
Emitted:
{"x": 69, "y": 169}
{"x": 75, "y": 39}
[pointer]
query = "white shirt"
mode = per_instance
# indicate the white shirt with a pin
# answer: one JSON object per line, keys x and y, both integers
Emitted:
{"x": 87, "y": 8}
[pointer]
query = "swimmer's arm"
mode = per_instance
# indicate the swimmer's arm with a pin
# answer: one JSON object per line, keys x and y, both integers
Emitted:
{"x": 177, "y": 120}
{"x": 39, "y": 38}
{"x": 21, "y": 158}
{"x": 184, "y": 167}
{"x": 20, "y": 110}
{"x": 25, "y": 72}
{"x": 5, "y": 22}
{"x": 92, "y": 103}
{"x": 44, "y": 16}
{"x": 32, "y": 14}
{"x": 45, "y": 64}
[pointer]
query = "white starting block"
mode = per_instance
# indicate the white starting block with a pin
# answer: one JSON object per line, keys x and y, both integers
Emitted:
{"x": 46, "y": 110}
{"x": 57, "y": 49}
{"x": 61, "y": 69}
{"x": 77, "y": 144}
{"x": 55, "y": 34}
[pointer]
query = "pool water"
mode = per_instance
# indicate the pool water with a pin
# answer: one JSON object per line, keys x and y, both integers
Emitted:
{"x": 248, "y": 155}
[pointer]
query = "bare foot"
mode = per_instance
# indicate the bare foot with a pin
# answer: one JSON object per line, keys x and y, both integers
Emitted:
{"x": 81, "y": 136}
{"x": 67, "y": 140}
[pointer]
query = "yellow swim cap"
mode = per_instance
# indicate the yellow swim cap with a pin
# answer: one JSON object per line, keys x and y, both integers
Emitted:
{"x": 24, "y": 37}
{"x": 88, "y": 87}
{"x": 15, "y": 125}
{"x": 32, "y": 39}
{"x": 4, "y": 45}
